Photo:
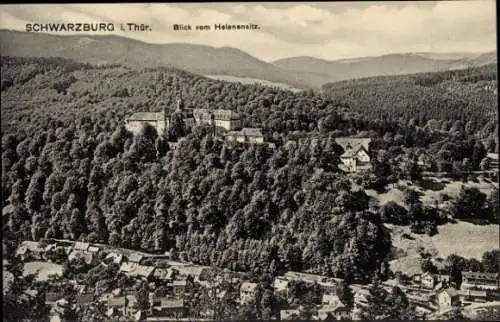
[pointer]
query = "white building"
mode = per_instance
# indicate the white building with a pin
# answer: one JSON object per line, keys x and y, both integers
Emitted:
{"x": 356, "y": 154}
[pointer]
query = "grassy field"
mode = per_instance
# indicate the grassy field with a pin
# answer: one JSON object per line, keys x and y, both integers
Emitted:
{"x": 45, "y": 269}
{"x": 462, "y": 238}
{"x": 247, "y": 80}
{"x": 431, "y": 190}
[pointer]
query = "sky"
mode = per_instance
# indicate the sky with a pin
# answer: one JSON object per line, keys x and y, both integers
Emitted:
{"x": 327, "y": 30}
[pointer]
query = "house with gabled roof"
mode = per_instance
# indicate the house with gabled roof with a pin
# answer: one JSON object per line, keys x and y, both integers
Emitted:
{"x": 356, "y": 155}
{"x": 448, "y": 297}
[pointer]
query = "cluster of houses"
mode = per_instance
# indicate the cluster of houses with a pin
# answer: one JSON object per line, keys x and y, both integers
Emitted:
{"x": 227, "y": 120}
{"x": 170, "y": 280}
{"x": 476, "y": 287}
{"x": 330, "y": 307}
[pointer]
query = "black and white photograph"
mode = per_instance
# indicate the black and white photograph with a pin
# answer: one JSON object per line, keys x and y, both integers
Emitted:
{"x": 259, "y": 161}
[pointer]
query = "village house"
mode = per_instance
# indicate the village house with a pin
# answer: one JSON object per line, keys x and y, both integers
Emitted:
{"x": 114, "y": 258}
{"x": 30, "y": 250}
{"x": 246, "y": 135}
{"x": 338, "y": 312}
{"x": 166, "y": 306}
{"x": 428, "y": 280}
{"x": 329, "y": 299}
{"x": 281, "y": 286}
{"x": 177, "y": 287}
{"x": 356, "y": 155}
{"x": 84, "y": 251}
{"x": 133, "y": 269}
{"x": 289, "y": 314}
{"x": 327, "y": 284}
{"x": 248, "y": 291}
{"x": 486, "y": 281}
{"x": 164, "y": 274}
{"x": 135, "y": 258}
{"x": 473, "y": 296}
{"x": 447, "y": 298}
{"x": 492, "y": 161}
{"x": 124, "y": 304}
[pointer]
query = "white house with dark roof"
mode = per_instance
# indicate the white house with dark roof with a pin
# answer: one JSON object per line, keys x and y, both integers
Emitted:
{"x": 356, "y": 155}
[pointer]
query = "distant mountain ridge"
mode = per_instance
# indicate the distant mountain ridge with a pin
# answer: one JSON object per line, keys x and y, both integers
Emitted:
{"x": 297, "y": 72}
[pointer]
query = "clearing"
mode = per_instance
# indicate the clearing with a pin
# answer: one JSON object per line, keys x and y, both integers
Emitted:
{"x": 431, "y": 190}
{"x": 248, "y": 80}
{"x": 461, "y": 238}
{"x": 45, "y": 269}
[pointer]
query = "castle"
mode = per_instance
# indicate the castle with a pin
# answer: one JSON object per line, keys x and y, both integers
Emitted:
{"x": 161, "y": 121}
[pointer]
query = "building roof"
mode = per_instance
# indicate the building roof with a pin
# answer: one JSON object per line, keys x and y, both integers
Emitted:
{"x": 493, "y": 156}
{"x": 474, "y": 293}
{"x": 147, "y": 116}
{"x": 179, "y": 283}
{"x": 248, "y": 287}
{"x": 76, "y": 254}
{"x": 331, "y": 299}
{"x": 120, "y": 301}
{"x": 29, "y": 246}
{"x": 143, "y": 270}
{"x": 164, "y": 274}
{"x": 450, "y": 291}
{"x": 126, "y": 267}
{"x": 428, "y": 275}
{"x": 86, "y": 298}
{"x": 93, "y": 249}
{"x": 168, "y": 302}
{"x": 135, "y": 257}
{"x": 285, "y": 314}
{"x": 348, "y": 143}
{"x": 117, "y": 258}
{"x": 81, "y": 246}
{"x": 248, "y": 131}
{"x": 478, "y": 275}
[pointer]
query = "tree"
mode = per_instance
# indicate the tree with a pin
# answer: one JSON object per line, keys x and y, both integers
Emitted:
{"x": 346, "y": 295}
{"x": 143, "y": 298}
{"x": 469, "y": 203}
{"x": 377, "y": 307}
{"x": 491, "y": 261}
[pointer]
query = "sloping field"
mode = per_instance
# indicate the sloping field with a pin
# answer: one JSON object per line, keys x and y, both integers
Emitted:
{"x": 463, "y": 239}
{"x": 430, "y": 190}
{"x": 247, "y": 80}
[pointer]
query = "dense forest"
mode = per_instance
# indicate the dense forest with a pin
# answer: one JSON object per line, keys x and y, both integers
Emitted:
{"x": 432, "y": 100}
{"x": 71, "y": 170}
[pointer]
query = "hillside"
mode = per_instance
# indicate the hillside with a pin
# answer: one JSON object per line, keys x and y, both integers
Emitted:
{"x": 469, "y": 96}
{"x": 120, "y": 50}
{"x": 70, "y": 170}
{"x": 299, "y": 72}
{"x": 393, "y": 64}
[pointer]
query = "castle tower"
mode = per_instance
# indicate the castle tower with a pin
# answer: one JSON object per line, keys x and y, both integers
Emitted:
{"x": 180, "y": 103}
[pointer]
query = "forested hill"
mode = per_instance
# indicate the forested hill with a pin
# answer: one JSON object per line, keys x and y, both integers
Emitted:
{"x": 469, "y": 95}
{"x": 70, "y": 170}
